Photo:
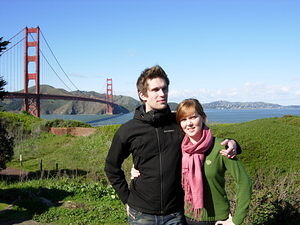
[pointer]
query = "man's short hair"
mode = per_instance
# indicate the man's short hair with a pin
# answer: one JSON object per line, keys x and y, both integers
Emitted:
{"x": 149, "y": 74}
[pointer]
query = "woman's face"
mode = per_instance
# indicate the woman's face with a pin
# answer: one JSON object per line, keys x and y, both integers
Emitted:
{"x": 192, "y": 125}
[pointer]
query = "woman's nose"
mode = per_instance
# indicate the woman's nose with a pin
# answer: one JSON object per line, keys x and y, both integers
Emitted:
{"x": 189, "y": 122}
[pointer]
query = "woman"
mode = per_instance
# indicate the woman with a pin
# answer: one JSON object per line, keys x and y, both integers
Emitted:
{"x": 203, "y": 172}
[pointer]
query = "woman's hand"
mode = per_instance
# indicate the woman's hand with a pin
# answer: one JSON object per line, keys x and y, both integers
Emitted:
{"x": 134, "y": 173}
{"x": 225, "y": 222}
{"x": 127, "y": 209}
{"x": 230, "y": 152}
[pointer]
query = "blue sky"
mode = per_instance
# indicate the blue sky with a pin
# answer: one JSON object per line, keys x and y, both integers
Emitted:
{"x": 246, "y": 50}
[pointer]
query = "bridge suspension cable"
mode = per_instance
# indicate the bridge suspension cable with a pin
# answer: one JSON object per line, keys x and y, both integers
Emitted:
{"x": 54, "y": 70}
{"x": 9, "y": 40}
{"x": 58, "y": 62}
{"x": 11, "y": 63}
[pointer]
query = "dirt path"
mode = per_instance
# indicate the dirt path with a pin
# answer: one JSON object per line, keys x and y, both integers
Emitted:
{"x": 18, "y": 222}
{"x": 13, "y": 172}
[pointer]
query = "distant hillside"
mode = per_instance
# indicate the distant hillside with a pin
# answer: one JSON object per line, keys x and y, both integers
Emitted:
{"x": 239, "y": 105}
{"x": 173, "y": 106}
{"x": 244, "y": 105}
{"x": 127, "y": 104}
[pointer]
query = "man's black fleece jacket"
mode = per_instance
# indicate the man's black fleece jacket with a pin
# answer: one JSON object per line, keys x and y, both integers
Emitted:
{"x": 154, "y": 140}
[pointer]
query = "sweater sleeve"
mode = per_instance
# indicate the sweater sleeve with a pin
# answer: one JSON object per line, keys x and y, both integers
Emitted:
{"x": 113, "y": 164}
{"x": 243, "y": 188}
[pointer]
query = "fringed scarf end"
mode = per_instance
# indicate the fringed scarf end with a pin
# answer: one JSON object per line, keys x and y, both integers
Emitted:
{"x": 195, "y": 213}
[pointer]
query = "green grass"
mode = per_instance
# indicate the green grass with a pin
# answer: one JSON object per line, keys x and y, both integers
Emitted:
{"x": 73, "y": 171}
{"x": 73, "y": 201}
{"x": 267, "y": 144}
{"x": 24, "y": 119}
{"x": 86, "y": 154}
{"x": 3, "y": 205}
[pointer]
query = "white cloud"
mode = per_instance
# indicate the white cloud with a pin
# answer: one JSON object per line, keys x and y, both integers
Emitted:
{"x": 249, "y": 92}
{"x": 295, "y": 79}
{"x": 132, "y": 52}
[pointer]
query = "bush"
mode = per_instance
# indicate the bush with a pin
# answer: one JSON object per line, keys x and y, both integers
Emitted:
{"x": 66, "y": 123}
{"x": 6, "y": 147}
{"x": 275, "y": 200}
{"x": 21, "y": 125}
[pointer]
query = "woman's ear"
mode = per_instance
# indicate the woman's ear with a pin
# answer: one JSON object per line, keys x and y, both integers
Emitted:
{"x": 205, "y": 121}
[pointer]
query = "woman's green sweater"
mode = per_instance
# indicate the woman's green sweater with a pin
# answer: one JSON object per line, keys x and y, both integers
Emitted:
{"x": 216, "y": 203}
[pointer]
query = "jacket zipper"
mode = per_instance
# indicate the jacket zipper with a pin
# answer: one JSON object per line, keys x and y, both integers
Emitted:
{"x": 160, "y": 171}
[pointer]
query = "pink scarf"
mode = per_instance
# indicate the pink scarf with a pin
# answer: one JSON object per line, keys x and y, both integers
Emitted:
{"x": 192, "y": 161}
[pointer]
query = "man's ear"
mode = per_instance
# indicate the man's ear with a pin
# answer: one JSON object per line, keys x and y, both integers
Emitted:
{"x": 142, "y": 96}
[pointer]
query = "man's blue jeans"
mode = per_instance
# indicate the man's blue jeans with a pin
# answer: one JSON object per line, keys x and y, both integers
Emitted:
{"x": 139, "y": 218}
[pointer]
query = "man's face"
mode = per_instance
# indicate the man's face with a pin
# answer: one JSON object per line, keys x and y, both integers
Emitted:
{"x": 156, "y": 97}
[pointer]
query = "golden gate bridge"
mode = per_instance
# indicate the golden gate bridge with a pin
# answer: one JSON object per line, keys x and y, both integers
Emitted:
{"x": 24, "y": 61}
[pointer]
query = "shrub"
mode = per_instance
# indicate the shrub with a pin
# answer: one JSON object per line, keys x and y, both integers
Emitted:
{"x": 6, "y": 147}
{"x": 21, "y": 125}
{"x": 65, "y": 123}
{"x": 275, "y": 200}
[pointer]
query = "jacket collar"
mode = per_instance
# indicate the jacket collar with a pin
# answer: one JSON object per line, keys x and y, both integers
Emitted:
{"x": 153, "y": 116}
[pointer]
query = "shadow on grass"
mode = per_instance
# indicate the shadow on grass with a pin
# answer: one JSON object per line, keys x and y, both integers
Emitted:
{"x": 24, "y": 203}
{"x": 17, "y": 176}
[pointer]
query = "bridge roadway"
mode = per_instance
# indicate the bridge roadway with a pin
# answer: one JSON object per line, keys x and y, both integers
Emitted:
{"x": 60, "y": 97}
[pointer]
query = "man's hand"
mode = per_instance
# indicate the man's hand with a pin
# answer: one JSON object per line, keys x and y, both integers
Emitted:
{"x": 225, "y": 222}
{"x": 134, "y": 173}
{"x": 230, "y": 152}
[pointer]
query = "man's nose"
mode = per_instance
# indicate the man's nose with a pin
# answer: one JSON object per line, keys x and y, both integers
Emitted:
{"x": 161, "y": 92}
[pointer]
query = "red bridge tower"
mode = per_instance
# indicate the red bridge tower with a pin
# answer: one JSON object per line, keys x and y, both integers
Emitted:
{"x": 32, "y": 105}
{"x": 109, "y": 96}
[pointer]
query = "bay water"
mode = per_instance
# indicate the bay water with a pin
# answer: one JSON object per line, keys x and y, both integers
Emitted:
{"x": 214, "y": 116}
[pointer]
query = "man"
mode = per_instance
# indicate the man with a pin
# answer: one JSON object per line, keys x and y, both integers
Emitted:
{"x": 154, "y": 139}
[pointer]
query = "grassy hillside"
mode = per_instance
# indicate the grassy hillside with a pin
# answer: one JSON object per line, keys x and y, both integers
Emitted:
{"x": 270, "y": 155}
{"x": 267, "y": 144}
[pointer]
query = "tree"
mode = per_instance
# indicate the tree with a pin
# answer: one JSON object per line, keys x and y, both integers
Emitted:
{"x": 6, "y": 142}
{"x": 3, "y": 45}
{"x": 2, "y": 84}
{"x": 6, "y": 147}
